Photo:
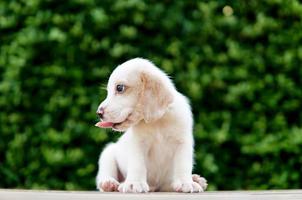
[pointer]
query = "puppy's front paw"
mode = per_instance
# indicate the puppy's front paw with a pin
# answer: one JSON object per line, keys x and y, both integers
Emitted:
{"x": 108, "y": 185}
{"x": 133, "y": 187}
{"x": 200, "y": 180}
{"x": 186, "y": 186}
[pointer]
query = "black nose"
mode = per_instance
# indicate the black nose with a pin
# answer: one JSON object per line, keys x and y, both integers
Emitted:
{"x": 100, "y": 112}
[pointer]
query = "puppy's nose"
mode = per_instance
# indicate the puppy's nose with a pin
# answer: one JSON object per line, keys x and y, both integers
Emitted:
{"x": 100, "y": 112}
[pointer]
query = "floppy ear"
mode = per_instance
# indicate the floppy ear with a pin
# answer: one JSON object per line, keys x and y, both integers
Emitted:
{"x": 155, "y": 97}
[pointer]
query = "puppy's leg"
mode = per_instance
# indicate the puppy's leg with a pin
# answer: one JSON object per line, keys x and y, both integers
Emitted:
{"x": 107, "y": 176}
{"x": 183, "y": 163}
{"x": 136, "y": 180}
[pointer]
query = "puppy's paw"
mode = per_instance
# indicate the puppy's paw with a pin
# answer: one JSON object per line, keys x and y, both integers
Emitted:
{"x": 186, "y": 186}
{"x": 133, "y": 187}
{"x": 200, "y": 180}
{"x": 108, "y": 185}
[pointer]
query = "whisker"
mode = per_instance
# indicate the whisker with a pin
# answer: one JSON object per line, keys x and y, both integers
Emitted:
{"x": 103, "y": 87}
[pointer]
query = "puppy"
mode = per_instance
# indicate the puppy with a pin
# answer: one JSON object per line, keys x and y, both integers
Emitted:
{"x": 156, "y": 151}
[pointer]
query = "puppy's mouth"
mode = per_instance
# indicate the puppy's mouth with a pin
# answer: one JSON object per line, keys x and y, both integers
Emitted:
{"x": 103, "y": 124}
{"x": 106, "y": 124}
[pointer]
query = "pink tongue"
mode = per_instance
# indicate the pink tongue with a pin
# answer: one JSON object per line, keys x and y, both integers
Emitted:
{"x": 104, "y": 124}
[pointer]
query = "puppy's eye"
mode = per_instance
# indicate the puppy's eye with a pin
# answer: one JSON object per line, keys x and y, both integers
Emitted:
{"x": 120, "y": 88}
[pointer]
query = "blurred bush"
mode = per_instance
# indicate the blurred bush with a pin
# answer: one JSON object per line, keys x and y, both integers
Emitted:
{"x": 239, "y": 62}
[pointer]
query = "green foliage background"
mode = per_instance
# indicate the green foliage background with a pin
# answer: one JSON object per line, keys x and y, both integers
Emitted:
{"x": 239, "y": 65}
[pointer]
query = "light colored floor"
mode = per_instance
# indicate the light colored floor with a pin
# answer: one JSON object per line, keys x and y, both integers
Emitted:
{"x": 77, "y": 195}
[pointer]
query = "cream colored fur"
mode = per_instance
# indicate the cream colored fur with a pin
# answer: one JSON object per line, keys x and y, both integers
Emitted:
{"x": 156, "y": 151}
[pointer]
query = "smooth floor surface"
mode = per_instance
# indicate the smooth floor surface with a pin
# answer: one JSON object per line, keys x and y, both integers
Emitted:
{"x": 11, "y": 194}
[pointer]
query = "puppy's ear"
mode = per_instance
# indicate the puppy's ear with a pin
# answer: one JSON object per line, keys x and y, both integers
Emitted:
{"x": 155, "y": 97}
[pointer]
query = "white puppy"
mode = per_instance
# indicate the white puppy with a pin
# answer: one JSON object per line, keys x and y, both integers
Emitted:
{"x": 156, "y": 151}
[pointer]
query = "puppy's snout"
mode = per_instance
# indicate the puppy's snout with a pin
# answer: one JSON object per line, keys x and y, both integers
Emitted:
{"x": 100, "y": 112}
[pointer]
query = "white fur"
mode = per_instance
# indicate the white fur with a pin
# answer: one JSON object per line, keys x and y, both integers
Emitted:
{"x": 156, "y": 151}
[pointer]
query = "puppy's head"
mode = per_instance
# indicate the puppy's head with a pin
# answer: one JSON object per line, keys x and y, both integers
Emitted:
{"x": 136, "y": 91}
